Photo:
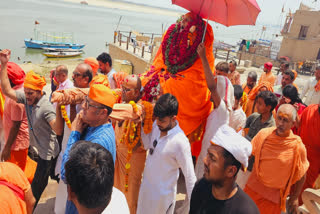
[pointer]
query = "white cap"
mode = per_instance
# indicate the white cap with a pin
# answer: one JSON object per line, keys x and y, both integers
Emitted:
{"x": 234, "y": 143}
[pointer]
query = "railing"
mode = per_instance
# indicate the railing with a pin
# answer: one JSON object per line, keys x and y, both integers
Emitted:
{"x": 225, "y": 54}
{"x": 133, "y": 40}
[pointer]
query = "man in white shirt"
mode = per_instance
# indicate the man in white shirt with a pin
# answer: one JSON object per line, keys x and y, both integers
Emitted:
{"x": 312, "y": 94}
{"x": 283, "y": 68}
{"x": 169, "y": 150}
{"x": 105, "y": 66}
{"x": 222, "y": 96}
{"x": 89, "y": 173}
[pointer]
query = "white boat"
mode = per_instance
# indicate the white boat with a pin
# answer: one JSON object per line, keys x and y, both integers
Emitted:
{"x": 61, "y": 50}
{"x": 62, "y": 54}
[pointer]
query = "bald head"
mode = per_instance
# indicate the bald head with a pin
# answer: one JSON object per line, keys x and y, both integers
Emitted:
{"x": 132, "y": 82}
{"x": 62, "y": 68}
{"x": 131, "y": 87}
{"x": 288, "y": 109}
{"x": 82, "y": 75}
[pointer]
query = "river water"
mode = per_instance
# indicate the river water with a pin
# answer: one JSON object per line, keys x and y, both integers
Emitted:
{"x": 90, "y": 25}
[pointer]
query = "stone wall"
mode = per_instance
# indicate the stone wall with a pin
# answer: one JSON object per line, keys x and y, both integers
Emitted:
{"x": 257, "y": 60}
{"x": 139, "y": 64}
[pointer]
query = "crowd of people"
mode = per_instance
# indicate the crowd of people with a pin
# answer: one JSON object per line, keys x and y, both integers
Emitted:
{"x": 112, "y": 150}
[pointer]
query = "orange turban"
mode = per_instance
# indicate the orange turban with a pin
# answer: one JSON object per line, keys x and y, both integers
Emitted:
{"x": 93, "y": 62}
{"x": 102, "y": 94}
{"x": 34, "y": 81}
{"x": 100, "y": 79}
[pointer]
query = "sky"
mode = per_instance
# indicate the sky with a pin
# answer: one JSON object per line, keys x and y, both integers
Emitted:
{"x": 270, "y": 16}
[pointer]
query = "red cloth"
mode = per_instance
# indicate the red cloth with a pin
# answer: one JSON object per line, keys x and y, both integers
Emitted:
{"x": 15, "y": 73}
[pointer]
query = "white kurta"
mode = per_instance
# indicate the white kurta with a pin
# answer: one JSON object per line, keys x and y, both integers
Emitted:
{"x": 217, "y": 118}
{"x": 237, "y": 119}
{"x": 158, "y": 189}
{"x": 118, "y": 203}
{"x": 313, "y": 97}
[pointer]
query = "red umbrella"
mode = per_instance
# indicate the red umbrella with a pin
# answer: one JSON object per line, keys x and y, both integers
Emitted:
{"x": 225, "y": 12}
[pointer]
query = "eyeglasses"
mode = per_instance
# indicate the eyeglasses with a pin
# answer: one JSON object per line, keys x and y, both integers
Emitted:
{"x": 87, "y": 104}
{"x": 155, "y": 142}
{"x": 124, "y": 89}
{"x": 77, "y": 74}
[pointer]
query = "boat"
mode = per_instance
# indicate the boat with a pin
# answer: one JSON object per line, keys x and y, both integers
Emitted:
{"x": 62, "y": 54}
{"x": 38, "y": 44}
{"x": 61, "y": 49}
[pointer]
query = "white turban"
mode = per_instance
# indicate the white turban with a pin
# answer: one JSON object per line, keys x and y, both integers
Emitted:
{"x": 234, "y": 143}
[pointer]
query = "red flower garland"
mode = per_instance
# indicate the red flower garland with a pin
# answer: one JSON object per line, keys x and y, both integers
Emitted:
{"x": 176, "y": 54}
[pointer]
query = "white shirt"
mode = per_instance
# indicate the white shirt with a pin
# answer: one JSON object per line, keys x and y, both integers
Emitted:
{"x": 118, "y": 203}
{"x": 313, "y": 97}
{"x": 278, "y": 80}
{"x": 112, "y": 82}
{"x": 62, "y": 86}
{"x": 158, "y": 189}
{"x": 237, "y": 119}
{"x": 217, "y": 118}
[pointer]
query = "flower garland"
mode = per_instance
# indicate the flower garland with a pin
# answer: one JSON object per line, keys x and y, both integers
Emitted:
{"x": 148, "y": 108}
{"x": 65, "y": 116}
{"x": 131, "y": 138}
{"x": 178, "y": 53}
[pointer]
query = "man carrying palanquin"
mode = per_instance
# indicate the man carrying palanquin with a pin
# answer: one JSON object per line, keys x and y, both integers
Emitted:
{"x": 179, "y": 71}
{"x": 131, "y": 155}
{"x": 280, "y": 165}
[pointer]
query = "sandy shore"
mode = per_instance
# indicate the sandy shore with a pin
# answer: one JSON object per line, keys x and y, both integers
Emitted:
{"x": 129, "y": 7}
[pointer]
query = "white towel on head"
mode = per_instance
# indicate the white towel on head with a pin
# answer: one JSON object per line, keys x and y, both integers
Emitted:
{"x": 234, "y": 143}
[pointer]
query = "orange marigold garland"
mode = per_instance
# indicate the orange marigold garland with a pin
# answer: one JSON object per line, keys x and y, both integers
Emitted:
{"x": 65, "y": 116}
{"x": 148, "y": 108}
{"x": 131, "y": 138}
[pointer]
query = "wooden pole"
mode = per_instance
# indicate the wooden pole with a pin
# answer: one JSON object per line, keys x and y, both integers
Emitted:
{"x": 120, "y": 39}
{"x": 228, "y": 55}
{"x": 215, "y": 54}
{"x": 142, "y": 54}
{"x": 128, "y": 39}
{"x": 115, "y": 37}
{"x": 240, "y": 58}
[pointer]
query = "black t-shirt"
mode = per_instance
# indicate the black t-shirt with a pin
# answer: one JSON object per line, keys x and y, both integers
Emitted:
{"x": 203, "y": 202}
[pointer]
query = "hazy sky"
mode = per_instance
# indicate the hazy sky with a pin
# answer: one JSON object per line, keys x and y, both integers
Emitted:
{"x": 271, "y": 16}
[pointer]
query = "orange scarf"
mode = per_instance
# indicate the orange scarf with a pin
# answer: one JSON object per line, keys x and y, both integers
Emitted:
{"x": 317, "y": 86}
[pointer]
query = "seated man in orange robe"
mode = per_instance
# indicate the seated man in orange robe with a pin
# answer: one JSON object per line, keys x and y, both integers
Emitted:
{"x": 179, "y": 71}
{"x": 131, "y": 155}
{"x": 267, "y": 75}
{"x": 310, "y": 135}
{"x": 280, "y": 165}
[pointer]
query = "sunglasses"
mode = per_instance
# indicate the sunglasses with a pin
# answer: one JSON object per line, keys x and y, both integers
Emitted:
{"x": 76, "y": 74}
{"x": 155, "y": 142}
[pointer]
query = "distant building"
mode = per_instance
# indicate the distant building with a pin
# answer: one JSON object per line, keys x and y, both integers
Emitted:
{"x": 301, "y": 35}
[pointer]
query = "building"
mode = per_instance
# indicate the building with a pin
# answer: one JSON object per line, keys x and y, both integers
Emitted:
{"x": 301, "y": 35}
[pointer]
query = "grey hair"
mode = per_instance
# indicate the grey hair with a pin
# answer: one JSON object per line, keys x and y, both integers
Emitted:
{"x": 253, "y": 75}
{"x": 292, "y": 110}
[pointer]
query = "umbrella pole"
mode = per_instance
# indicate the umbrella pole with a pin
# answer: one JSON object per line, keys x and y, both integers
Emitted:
{"x": 205, "y": 30}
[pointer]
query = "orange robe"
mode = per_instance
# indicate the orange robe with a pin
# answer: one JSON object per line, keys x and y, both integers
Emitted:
{"x": 246, "y": 89}
{"x": 310, "y": 135}
{"x": 9, "y": 202}
{"x": 267, "y": 78}
{"x": 279, "y": 163}
{"x": 253, "y": 94}
{"x": 137, "y": 161}
{"x": 189, "y": 87}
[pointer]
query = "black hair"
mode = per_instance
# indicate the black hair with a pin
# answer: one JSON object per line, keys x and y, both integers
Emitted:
{"x": 88, "y": 74}
{"x": 286, "y": 64}
{"x": 291, "y": 92}
{"x": 269, "y": 98}
{"x": 11, "y": 83}
{"x": 233, "y": 62}
{"x": 229, "y": 160}
{"x": 238, "y": 91}
{"x": 109, "y": 110}
{"x": 166, "y": 105}
{"x": 105, "y": 58}
{"x": 290, "y": 73}
{"x": 89, "y": 172}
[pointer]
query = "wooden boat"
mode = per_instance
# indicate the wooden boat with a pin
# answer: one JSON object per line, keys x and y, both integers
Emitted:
{"x": 62, "y": 54}
{"x": 38, "y": 44}
{"x": 61, "y": 50}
